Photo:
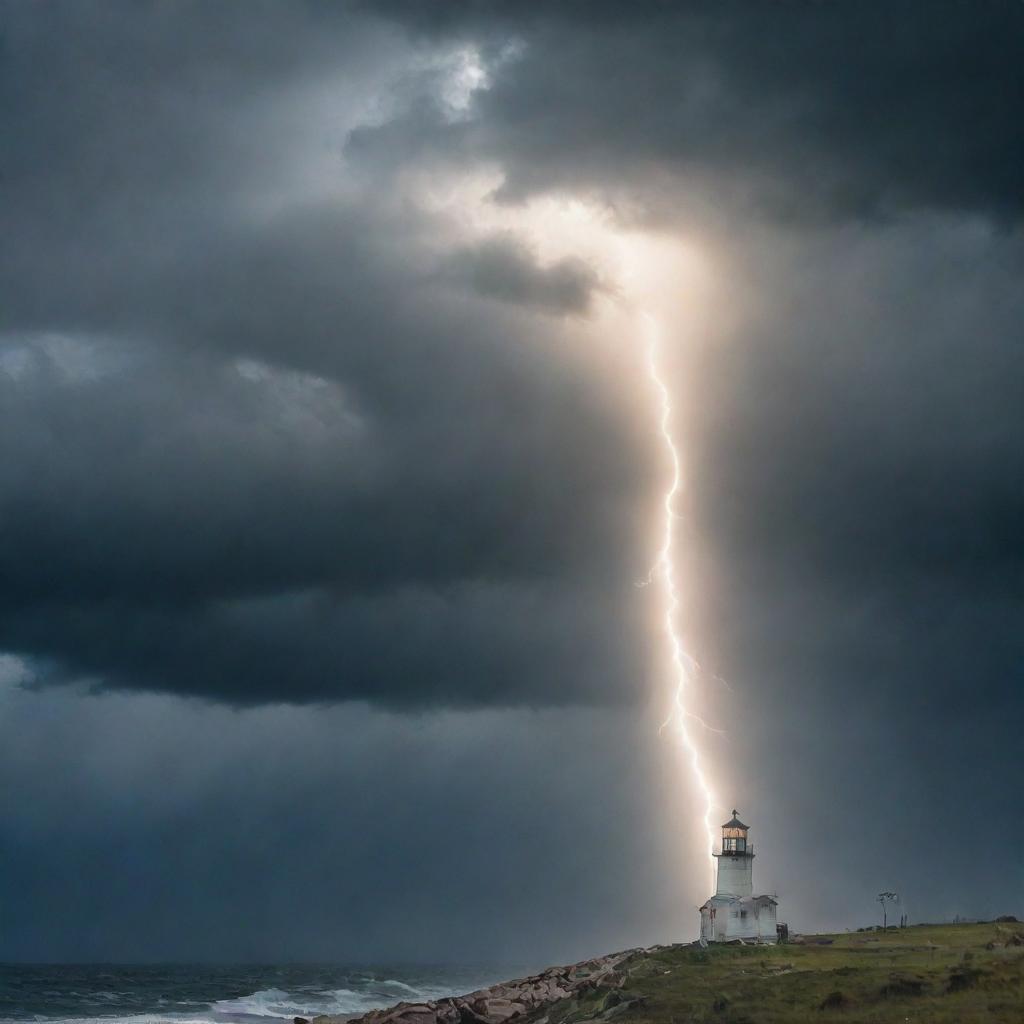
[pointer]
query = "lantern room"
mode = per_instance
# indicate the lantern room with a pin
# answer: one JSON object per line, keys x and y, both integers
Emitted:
{"x": 734, "y": 836}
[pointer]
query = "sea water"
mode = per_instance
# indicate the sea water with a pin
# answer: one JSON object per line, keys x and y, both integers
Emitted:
{"x": 197, "y": 994}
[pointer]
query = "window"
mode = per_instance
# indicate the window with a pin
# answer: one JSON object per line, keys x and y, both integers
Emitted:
{"x": 743, "y": 915}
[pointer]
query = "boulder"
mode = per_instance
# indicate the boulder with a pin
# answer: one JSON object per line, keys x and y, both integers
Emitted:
{"x": 496, "y": 1009}
{"x": 408, "y": 1013}
{"x": 448, "y": 1012}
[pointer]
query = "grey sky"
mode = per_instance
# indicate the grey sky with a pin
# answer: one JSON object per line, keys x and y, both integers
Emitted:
{"x": 321, "y": 518}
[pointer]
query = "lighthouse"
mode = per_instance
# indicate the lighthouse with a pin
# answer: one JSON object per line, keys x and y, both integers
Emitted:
{"x": 734, "y": 912}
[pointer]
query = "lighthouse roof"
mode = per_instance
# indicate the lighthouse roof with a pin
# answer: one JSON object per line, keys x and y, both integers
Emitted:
{"x": 735, "y": 822}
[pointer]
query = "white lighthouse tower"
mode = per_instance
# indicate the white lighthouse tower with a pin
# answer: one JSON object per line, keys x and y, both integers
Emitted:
{"x": 734, "y": 912}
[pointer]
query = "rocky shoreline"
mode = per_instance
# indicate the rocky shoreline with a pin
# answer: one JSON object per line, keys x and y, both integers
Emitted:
{"x": 522, "y": 999}
{"x": 922, "y": 972}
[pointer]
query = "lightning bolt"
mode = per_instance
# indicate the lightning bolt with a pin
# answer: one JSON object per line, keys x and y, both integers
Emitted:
{"x": 684, "y": 668}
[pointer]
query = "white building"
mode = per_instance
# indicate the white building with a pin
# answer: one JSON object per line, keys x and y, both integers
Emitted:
{"x": 734, "y": 912}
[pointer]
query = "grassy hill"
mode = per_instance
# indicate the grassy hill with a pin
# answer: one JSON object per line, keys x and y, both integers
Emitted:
{"x": 928, "y": 973}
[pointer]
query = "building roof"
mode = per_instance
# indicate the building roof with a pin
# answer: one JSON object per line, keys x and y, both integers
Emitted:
{"x": 721, "y": 899}
{"x": 735, "y": 822}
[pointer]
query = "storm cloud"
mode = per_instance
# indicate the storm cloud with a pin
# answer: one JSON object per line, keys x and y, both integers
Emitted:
{"x": 325, "y": 515}
{"x": 796, "y": 111}
{"x": 278, "y": 430}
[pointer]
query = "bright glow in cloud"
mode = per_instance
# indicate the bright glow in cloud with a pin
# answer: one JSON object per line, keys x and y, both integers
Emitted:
{"x": 466, "y": 74}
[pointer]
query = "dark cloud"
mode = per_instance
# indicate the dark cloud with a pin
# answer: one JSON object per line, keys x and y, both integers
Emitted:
{"x": 264, "y": 533}
{"x": 462, "y": 645}
{"x": 278, "y": 430}
{"x": 503, "y": 268}
{"x": 797, "y": 110}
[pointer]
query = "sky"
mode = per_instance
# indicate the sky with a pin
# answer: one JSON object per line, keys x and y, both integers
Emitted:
{"x": 330, "y": 475}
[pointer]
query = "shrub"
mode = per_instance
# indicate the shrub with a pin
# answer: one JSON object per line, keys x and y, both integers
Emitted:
{"x": 961, "y": 978}
{"x": 834, "y": 1001}
{"x": 900, "y": 986}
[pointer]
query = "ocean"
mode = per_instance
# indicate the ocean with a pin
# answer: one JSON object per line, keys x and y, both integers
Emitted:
{"x": 200, "y": 994}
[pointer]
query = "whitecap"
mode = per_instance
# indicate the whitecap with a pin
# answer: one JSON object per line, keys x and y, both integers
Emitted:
{"x": 275, "y": 1002}
{"x": 392, "y": 983}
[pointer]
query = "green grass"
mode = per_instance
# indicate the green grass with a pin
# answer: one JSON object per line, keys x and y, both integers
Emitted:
{"x": 930, "y": 973}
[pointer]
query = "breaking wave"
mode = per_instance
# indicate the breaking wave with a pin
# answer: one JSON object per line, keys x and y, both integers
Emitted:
{"x": 275, "y": 1002}
{"x": 185, "y": 994}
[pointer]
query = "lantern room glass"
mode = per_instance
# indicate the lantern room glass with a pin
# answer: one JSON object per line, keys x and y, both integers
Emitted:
{"x": 734, "y": 840}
